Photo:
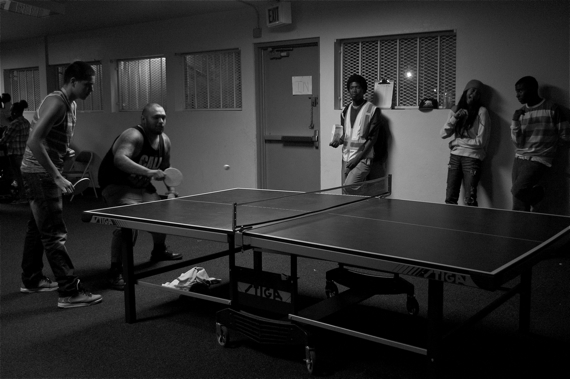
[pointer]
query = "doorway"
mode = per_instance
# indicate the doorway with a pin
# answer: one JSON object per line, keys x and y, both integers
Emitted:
{"x": 289, "y": 117}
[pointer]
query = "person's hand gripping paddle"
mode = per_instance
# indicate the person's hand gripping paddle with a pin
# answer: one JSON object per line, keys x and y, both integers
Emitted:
{"x": 172, "y": 177}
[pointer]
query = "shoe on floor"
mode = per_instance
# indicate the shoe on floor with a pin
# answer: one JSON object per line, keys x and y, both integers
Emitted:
{"x": 45, "y": 285}
{"x": 164, "y": 256}
{"x": 81, "y": 299}
{"x": 116, "y": 280}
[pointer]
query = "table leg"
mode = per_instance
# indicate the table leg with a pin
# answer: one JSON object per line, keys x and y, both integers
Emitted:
{"x": 128, "y": 275}
{"x": 294, "y": 284}
{"x": 435, "y": 317}
{"x": 232, "y": 269}
{"x": 524, "y": 307}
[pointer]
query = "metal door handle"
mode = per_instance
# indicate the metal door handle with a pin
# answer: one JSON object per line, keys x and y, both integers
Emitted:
{"x": 316, "y": 138}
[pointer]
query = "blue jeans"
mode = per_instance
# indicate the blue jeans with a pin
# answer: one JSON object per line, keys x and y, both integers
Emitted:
{"x": 526, "y": 175}
{"x": 357, "y": 174}
{"x": 466, "y": 170}
{"x": 46, "y": 233}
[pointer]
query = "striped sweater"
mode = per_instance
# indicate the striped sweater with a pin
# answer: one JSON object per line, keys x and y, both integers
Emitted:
{"x": 539, "y": 131}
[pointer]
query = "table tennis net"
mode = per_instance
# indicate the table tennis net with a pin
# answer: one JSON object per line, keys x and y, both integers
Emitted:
{"x": 281, "y": 207}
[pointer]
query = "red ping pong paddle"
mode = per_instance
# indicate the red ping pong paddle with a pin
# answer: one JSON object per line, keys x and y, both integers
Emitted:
{"x": 80, "y": 186}
{"x": 173, "y": 177}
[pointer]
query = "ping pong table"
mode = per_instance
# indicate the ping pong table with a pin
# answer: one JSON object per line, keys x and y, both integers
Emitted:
{"x": 440, "y": 243}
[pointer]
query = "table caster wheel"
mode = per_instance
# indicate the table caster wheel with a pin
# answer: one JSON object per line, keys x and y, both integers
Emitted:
{"x": 412, "y": 305}
{"x": 223, "y": 335}
{"x": 331, "y": 289}
{"x": 310, "y": 359}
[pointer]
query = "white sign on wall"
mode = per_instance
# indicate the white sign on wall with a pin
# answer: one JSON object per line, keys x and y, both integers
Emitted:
{"x": 302, "y": 85}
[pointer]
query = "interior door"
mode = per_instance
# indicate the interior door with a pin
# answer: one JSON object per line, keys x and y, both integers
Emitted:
{"x": 290, "y": 120}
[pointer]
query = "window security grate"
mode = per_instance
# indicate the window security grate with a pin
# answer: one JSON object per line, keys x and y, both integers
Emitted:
{"x": 421, "y": 66}
{"x": 24, "y": 84}
{"x": 141, "y": 81}
{"x": 213, "y": 80}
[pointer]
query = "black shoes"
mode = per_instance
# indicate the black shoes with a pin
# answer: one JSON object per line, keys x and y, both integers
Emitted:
{"x": 164, "y": 255}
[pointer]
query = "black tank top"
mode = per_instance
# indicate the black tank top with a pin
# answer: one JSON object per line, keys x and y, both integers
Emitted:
{"x": 148, "y": 157}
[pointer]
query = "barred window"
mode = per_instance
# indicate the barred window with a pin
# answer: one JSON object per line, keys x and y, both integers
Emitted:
{"x": 141, "y": 81}
{"x": 420, "y": 65}
{"x": 95, "y": 101}
{"x": 24, "y": 84}
{"x": 213, "y": 80}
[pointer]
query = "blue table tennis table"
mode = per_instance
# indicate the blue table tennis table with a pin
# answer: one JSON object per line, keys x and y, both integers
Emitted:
{"x": 440, "y": 243}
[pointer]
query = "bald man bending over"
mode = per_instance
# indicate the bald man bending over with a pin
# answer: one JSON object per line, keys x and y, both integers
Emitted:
{"x": 139, "y": 154}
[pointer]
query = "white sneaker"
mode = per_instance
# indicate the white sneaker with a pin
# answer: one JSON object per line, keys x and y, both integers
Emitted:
{"x": 45, "y": 285}
{"x": 81, "y": 299}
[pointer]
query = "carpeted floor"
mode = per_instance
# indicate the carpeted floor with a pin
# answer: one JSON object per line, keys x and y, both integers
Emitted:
{"x": 175, "y": 336}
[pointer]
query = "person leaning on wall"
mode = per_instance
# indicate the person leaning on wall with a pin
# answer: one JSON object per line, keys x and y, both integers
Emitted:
{"x": 468, "y": 125}
{"x": 360, "y": 121}
{"x": 537, "y": 129}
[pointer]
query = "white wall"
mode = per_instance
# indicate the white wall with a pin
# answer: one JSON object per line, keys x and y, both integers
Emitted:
{"x": 497, "y": 43}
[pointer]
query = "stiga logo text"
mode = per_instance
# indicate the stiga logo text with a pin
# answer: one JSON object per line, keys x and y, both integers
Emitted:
{"x": 265, "y": 292}
{"x": 103, "y": 220}
{"x": 443, "y": 276}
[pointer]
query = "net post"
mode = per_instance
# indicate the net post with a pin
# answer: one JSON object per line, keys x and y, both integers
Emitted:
{"x": 234, "y": 217}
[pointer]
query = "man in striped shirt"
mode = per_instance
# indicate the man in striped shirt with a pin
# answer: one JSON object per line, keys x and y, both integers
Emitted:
{"x": 536, "y": 130}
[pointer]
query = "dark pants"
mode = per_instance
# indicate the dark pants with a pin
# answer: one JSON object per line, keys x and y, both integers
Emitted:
{"x": 526, "y": 176}
{"x": 466, "y": 170}
{"x": 116, "y": 195}
{"x": 15, "y": 163}
{"x": 46, "y": 233}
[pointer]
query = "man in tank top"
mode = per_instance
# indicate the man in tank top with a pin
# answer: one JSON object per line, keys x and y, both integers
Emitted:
{"x": 48, "y": 145}
{"x": 137, "y": 156}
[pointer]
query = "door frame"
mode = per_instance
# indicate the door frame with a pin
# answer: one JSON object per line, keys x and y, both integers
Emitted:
{"x": 261, "y": 123}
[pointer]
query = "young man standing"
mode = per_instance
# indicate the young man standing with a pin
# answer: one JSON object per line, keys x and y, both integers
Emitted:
{"x": 536, "y": 130}
{"x": 361, "y": 122}
{"x": 51, "y": 132}
{"x": 139, "y": 154}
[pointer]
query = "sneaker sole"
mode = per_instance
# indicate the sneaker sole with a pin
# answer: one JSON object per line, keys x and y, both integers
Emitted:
{"x": 78, "y": 305}
{"x": 27, "y": 290}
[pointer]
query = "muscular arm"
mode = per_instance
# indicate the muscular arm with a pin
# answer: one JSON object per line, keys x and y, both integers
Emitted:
{"x": 128, "y": 145}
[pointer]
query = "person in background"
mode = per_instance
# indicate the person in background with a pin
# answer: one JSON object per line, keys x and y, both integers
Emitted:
{"x": 360, "y": 122}
{"x": 15, "y": 137}
{"x": 139, "y": 154}
{"x": 50, "y": 135}
{"x": 537, "y": 129}
{"x": 5, "y": 109}
{"x": 469, "y": 126}
{"x": 5, "y": 184}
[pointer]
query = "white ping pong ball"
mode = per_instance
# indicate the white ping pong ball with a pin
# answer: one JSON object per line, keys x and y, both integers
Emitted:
{"x": 226, "y": 167}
